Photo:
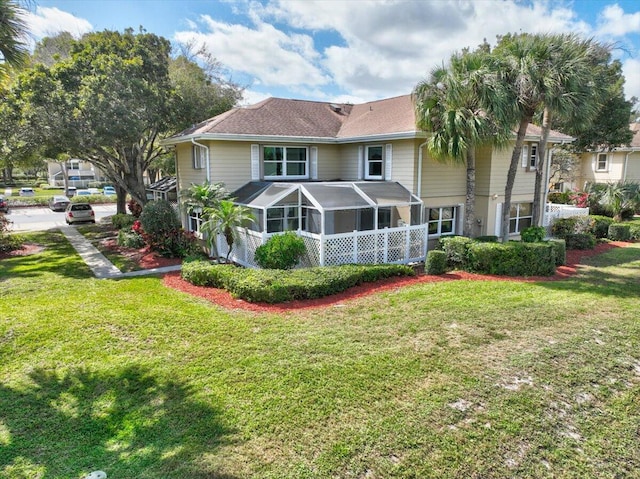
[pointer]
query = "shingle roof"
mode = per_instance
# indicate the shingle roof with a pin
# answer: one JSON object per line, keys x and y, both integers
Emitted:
{"x": 312, "y": 119}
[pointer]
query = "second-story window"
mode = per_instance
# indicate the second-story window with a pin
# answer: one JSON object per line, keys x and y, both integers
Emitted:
{"x": 603, "y": 162}
{"x": 533, "y": 157}
{"x": 374, "y": 163}
{"x": 285, "y": 162}
{"x": 198, "y": 156}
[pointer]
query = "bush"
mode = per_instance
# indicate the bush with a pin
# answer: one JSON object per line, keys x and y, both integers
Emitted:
{"x": 533, "y": 234}
{"x": 560, "y": 247}
{"x": 487, "y": 239}
{"x": 619, "y": 232}
{"x": 120, "y": 221}
{"x": 8, "y": 242}
{"x": 601, "y": 224}
{"x": 159, "y": 218}
{"x": 282, "y": 251}
{"x": 436, "y": 262}
{"x": 560, "y": 198}
{"x": 514, "y": 258}
{"x": 134, "y": 208}
{"x": 174, "y": 244}
{"x": 277, "y": 286}
{"x": 130, "y": 239}
{"x": 580, "y": 241}
{"x": 634, "y": 232}
{"x": 563, "y": 227}
{"x": 455, "y": 248}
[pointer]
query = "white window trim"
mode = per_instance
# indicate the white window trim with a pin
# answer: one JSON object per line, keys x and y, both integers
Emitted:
{"x": 198, "y": 157}
{"x": 606, "y": 164}
{"x": 367, "y": 176}
{"x": 284, "y": 163}
{"x": 517, "y": 217}
{"x": 533, "y": 157}
{"x": 453, "y": 220}
{"x": 197, "y": 217}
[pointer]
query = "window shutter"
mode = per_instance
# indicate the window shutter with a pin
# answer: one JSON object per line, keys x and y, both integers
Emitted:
{"x": 497, "y": 230}
{"x": 255, "y": 162}
{"x": 525, "y": 156}
{"x": 360, "y": 162}
{"x": 388, "y": 160}
{"x": 314, "y": 162}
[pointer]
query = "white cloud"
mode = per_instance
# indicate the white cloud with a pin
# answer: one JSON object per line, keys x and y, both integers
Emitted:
{"x": 631, "y": 71}
{"x": 50, "y": 21}
{"x": 614, "y": 22}
{"x": 273, "y": 56}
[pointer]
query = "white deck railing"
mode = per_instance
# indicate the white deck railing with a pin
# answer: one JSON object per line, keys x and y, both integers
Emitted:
{"x": 555, "y": 211}
{"x": 403, "y": 245}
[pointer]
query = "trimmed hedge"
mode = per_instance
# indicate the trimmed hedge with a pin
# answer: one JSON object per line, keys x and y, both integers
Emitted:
{"x": 436, "y": 262}
{"x": 278, "y": 286}
{"x": 619, "y": 232}
{"x": 513, "y": 258}
{"x": 456, "y": 249}
{"x": 580, "y": 241}
{"x": 560, "y": 247}
{"x": 601, "y": 225}
{"x": 634, "y": 232}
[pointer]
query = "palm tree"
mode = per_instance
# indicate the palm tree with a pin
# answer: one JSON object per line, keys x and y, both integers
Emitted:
{"x": 616, "y": 197}
{"x": 449, "y": 105}
{"x": 200, "y": 196}
{"x": 13, "y": 30}
{"x": 225, "y": 219}
{"x": 568, "y": 93}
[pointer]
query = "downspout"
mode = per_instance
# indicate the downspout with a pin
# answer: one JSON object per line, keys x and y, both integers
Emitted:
{"x": 206, "y": 158}
{"x": 545, "y": 195}
{"x": 419, "y": 195}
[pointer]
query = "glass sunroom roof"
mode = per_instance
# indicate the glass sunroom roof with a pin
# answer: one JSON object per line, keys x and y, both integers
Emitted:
{"x": 327, "y": 195}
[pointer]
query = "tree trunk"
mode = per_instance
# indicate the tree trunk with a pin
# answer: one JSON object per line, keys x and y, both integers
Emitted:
{"x": 540, "y": 169}
{"x": 470, "y": 200}
{"x": 511, "y": 176}
{"x": 121, "y": 200}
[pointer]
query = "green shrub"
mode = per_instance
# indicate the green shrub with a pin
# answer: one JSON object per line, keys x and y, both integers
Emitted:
{"x": 563, "y": 227}
{"x": 634, "y": 232}
{"x": 455, "y": 248}
{"x": 159, "y": 218}
{"x": 560, "y": 198}
{"x": 130, "y": 239}
{"x": 276, "y": 286}
{"x": 533, "y": 234}
{"x": 487, "y": 239}
{"x": 600, "y": 225}
{"x": 580, "y": 241}
{"x": 436, "y": 262}
{"x": 282, "y": 251}
{"x": 560, "y": 247}
{"x": 514, "y": 258}
{"x": 619, "y": 232}
{"x": 121, "y": 221}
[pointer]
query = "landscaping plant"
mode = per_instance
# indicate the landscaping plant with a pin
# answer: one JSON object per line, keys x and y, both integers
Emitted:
{"x": 281, "y": 251}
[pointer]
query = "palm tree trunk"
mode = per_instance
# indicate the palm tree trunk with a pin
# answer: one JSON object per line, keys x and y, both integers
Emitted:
{"x": 470, "y": 200}
{"x": 540, "y": 168}
{"x": 511, "y": 176}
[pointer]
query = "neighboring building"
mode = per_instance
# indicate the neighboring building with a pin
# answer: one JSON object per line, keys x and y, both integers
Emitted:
{"x": 608, "y": 166}
{"x": 80, "y": 173}
{"x": 355, "y": 181}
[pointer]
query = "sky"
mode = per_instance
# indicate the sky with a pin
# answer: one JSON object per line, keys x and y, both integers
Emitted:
{"x": 344, "y": 50}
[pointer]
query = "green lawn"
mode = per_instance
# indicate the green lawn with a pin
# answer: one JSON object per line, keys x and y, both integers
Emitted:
{"x": 443, "y": 380}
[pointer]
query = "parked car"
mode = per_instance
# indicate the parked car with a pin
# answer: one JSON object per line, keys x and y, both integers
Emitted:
{"x": 108, "y": 191}
{"x": 94, "y": 191}
{"x": 4, "y": 204}
{"x": 79, "y": 212}
{"x": 71, "y": 191}
{"x": 83, "y": 193}
{"x": 25, "y": 191}
{"x": 59, "y": 203}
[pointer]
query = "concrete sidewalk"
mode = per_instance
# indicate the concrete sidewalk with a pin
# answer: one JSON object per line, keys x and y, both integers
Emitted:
{"x": 103, "y": 268}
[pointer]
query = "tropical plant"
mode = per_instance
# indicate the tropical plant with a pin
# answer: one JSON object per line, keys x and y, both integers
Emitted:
{"x": 616, "y": 197}
{"x": 448, "y": 105}
{"x": 281, "y": 251}
{"x": 13, "y": 36}
{"x": 200, "y": 196}
{"x": 225, "y": 219}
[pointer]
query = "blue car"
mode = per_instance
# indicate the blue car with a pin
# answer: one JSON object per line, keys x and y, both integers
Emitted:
{"x": 108, "y": 191}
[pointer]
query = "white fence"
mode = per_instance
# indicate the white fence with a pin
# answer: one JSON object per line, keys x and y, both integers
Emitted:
{"x": 555, "y": 211}
{"x": 403, "y": 245}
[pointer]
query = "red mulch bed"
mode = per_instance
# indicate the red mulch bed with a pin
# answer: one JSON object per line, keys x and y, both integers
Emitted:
{"x": 224, "y": 299}
{"x": 25, "y": 250}
{"x": 144, "y": 257}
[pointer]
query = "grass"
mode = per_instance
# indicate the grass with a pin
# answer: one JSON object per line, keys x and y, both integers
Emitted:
{"x": 441, "y": 380}
{"x": 99, "y": 231}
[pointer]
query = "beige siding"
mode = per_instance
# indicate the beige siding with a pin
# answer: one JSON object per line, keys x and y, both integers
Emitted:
{"x": 483, "y": 171}
{"x": 524, "y": 181}
{"x": 614, "y": 172}
{"x": 329, "y": 162}
{"x": 187, "y": 175}
{"x": 405, "y": 159}
{"x": 440, "y": 180}
{"x": 231, "y": 163}
{"x": 348, "y": 168}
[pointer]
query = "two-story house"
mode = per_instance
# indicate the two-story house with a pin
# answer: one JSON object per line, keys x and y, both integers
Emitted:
{"x": 355, "y": 181}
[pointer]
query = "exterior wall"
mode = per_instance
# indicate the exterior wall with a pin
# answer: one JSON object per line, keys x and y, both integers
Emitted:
{"x": 231, "y": 163}
{"x": 349, "y": 158}
{"x": 329, "y": 162}
{"x": 186, "y": 174}
{"x": 442, "y": 184}
{"x": 633, "y": 167}
{"x": 404, "y": 163}
{"x": 615, "y": 171}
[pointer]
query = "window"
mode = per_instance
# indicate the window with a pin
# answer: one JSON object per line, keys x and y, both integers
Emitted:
{"x": 285, "y": 162}
{"x": 603, "y": 162}
{"x": 373, "y": 164}
{"x": 195, "y": 222}
{"x": 74, "y": 165}
{"x": 283, "y": 218}
{"x": 198, "y": 156}
{"x": 533, "y": 157}
{"x": 442, "y": 221}
{"x": 384, "y": 218}
{"x": 520, "y": 217}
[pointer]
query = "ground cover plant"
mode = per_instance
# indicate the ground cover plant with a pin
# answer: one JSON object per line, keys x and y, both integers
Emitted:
{"x": 438, "y": 380}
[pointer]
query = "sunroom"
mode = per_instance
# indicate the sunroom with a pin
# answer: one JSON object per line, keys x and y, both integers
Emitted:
{"x": 340, "y": 222}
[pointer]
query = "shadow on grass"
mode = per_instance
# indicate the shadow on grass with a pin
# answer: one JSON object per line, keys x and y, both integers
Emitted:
{"x": 57, "y": 257}
{"x": 127, "y": 423}
{"x": 614, "y": 273}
